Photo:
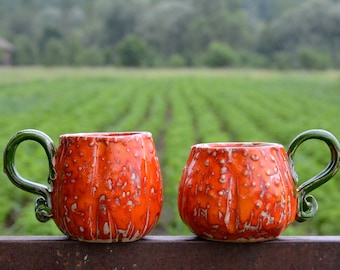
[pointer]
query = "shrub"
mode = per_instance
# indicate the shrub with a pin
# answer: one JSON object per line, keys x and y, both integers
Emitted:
{"x": 91, "y": 56}
{"x": 220, "y": 55}
{"x": 250, "y": 59}
{"x": 55, "y": 53}
{"x": 281, "y": 60}
{"x": 26, "y": 51}
{"x": 313, "y": 59}
{"x": 132, "y": 51}
{"x": 177, "y": 60}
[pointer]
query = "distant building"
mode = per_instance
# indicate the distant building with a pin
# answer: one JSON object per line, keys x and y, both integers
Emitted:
{"x": 6, "y": 50}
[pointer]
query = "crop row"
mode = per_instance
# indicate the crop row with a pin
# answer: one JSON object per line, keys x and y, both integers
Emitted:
{"x": 180, "y": 111}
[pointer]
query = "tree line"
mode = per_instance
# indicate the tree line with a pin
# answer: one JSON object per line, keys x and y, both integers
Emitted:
{"x": 217, "y": 33}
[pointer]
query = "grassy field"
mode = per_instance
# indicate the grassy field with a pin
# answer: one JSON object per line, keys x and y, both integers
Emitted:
{"x": 180, "y": 108}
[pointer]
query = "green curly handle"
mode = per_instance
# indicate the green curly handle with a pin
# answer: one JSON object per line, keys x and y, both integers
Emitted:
{"x": 307, "y": 204}
{"x": 43, "y": 207}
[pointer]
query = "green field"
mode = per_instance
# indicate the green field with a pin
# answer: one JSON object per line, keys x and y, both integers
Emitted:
{"x": 180, "y": 108}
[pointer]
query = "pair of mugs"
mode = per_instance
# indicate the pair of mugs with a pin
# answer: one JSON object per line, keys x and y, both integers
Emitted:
{"x": 107, "y": 187}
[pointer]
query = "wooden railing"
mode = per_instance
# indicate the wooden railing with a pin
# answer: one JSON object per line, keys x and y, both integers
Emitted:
{"x": 169, "y": 252}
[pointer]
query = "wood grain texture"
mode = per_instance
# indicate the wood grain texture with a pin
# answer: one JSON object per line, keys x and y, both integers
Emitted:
{"x": 169, "y": 252}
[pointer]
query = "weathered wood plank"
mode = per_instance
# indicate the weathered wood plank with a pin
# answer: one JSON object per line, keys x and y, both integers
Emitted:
{"x": 169, "y": 252}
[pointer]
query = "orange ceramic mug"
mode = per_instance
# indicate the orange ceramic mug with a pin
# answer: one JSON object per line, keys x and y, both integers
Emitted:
{"x": 246, "y": 192}
{"x": 104, "y": 187}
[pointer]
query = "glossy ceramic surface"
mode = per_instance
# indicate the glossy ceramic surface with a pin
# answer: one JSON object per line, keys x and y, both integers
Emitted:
{"x": 105, "y": 187}
{"x": 246, "y": 192}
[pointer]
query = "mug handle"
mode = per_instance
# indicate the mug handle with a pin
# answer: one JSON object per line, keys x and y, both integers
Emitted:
{"x": 307, "y": 204}
{"x": 43, "y": 206}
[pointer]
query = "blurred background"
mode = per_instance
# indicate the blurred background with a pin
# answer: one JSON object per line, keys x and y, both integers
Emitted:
{"x": 189, "y": 71}
{"x": 235, "y": 33}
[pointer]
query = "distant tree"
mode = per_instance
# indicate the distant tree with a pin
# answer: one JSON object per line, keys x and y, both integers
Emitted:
{"x": 91, "y": 57}
{"x": 220, "y": 55}
{"x": 26, "y": 51}
{"x": 21, "y": 24}
{"x": 49, "y": 17}
{"x": 165, "y": 26}
{"x": 263, "y": 28}
{"x": 121, "y": 20}
{"x": 314, "y": 24}
{"x": 216, "y": 21}
{"x": 331, "y": 33}
{"x": 132, "y": 51}
{"x": 74, "y": 49}
{"x": 248, "y": 58}
{"x": 49, "y": 32}
{"x": 283, "y": 60}
{"x": 268, "y": 10}
{"x": 177, "y": 60}
{"x": 310, "y": 58}
{"x": 55, "y": 53}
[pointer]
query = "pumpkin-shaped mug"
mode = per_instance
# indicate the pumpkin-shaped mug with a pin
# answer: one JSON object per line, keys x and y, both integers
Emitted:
{"x": 104, "y": 187}
{"x": 246, "y": 192}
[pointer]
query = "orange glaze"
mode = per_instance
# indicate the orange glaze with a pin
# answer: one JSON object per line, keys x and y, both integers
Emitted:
{"x": 108, "y": 188}
{"x": 237, "y": 193}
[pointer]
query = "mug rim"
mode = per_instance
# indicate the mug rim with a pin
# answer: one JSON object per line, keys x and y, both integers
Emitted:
{"x": 109, "y": 134}
{"x": 236, "y": 145}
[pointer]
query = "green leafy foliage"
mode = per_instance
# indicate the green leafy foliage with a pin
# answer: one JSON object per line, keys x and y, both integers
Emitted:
{"x": 257, "y": 33}
{"x": 181, "y": 108}
{"x": 220, "y": 55}
{"x": 132, "y": 51}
